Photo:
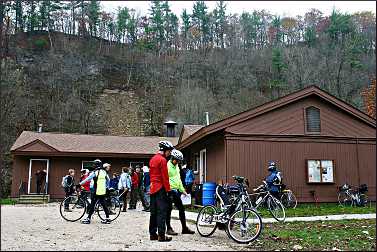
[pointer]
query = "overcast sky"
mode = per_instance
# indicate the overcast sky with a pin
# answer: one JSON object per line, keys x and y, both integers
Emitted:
{"x": 282, "y": 8}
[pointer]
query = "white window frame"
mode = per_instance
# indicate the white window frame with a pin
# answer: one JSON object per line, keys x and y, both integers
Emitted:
{"x": 202, "y": 166}
{"x": 46, "y": 179}
{"x": 137, "y": 163}
{"x": 82, "y": 163}
{"x": 196, "y": 163}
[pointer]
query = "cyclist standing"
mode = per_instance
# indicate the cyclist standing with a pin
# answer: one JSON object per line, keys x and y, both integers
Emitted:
{"x": 273, "y": 179}
{"x": 177, "y": 189}
{"x": 101, "y": 180}
{"x": 69, "y": 186}
{"x": 124, "y": 185}
{"x": 85, "y": 188}
{"x": 159, "y": 177}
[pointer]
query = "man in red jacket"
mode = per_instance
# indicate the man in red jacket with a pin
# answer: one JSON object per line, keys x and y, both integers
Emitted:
{"x": 159, "y": 188}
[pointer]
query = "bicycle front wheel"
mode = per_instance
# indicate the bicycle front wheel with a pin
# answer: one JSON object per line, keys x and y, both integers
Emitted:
{"x": 205, "y": 223}
{"x": 113, "y": 207}
{"x": 72, "y": 208}
{"x": 244, "y": 226}
{"x": 276, "y": 208}
{"x": 288, "y": 199}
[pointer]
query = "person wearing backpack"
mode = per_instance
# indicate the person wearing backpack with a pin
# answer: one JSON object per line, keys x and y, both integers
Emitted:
{"x": 274, "y": 179}
{"x": 101, "y": 180}
{"x": 68, "y": 183}
{"x": 189, "y": 180}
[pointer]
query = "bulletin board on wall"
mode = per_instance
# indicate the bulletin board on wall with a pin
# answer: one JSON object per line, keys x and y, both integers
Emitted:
{"x": 320, "y": 171}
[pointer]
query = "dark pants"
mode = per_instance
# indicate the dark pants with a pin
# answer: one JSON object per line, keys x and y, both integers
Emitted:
{"x": 124, "y": 198}
{"x": 275, "y": 194}
{"x": 102, "y": 200}
{"x": 136, "y": 194}
{"x": 176, "y": 199}
{"x": 39, "y": 186}
{"x": 159, "y": 205}
{"x": 68, "y": 192}
{"x": 189, "y": 188}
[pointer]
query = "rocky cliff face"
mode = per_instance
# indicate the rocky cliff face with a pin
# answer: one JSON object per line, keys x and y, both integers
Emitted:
{"x": 122, "y": 112}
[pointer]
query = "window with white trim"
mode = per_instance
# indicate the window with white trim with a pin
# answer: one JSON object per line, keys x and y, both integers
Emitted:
{"x": 87, "y": 165}
{"x": 196, "y": 163}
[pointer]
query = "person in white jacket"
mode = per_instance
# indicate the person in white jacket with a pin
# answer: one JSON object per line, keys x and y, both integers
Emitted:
{"x": 124, "y": 185}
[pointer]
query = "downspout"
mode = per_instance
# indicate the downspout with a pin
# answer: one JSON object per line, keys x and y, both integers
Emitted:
{"x": 226, "y": 163}
{"x": 357, "y": 159}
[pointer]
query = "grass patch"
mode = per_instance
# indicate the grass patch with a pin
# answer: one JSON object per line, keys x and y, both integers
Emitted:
{"x": 328, "y": 235}
{"x": 303, "y": 210}
{"x": 309, "y": 209}
{"x": 7, "y": 201}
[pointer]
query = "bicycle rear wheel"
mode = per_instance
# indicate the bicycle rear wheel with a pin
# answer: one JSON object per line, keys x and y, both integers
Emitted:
{"x": 114, "y": 209}
{"x": 205, "y": 224}
{"x": 276, "y": 208}
{"x": 76, "y": 208}
{"x": 288, "y": 199}
{"x": 244, "y": 226}
{"x": 344, "y": 199}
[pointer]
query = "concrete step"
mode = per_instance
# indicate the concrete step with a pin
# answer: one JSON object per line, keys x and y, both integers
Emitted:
{"x": 33, "y": 199}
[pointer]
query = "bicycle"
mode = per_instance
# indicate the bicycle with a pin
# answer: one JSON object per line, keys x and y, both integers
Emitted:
{"x": 287, "y": 198}
{"x": 243, "y": 224}
{"x": 78, "y": 205}
{"x": 350, "y": 196}
{"x": 264, "y": 197}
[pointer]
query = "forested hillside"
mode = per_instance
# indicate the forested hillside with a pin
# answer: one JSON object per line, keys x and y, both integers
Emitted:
{"x": 76, "y": 68}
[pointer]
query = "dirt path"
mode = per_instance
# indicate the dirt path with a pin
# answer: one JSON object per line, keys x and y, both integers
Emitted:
{"x": 42, "y": 228}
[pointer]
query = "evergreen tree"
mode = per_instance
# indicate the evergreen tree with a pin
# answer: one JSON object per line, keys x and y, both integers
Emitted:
{"x": 200, "y": 19}
{"x": 220, "y": 21}
{"x": 122, "y": 22}
{"x": 132, "y": 27}
{"x": 278, "y": 68}
{"x": 157, "y": 24}
{"x": 93, "y": 16}
{"x": 185, "y": 27}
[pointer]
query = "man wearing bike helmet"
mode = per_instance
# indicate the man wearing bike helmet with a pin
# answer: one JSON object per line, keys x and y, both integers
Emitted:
{"x": 177, "y": 189}
{"x": 273, "y": 179}
{"x": 100, "y": 182}
{"x": 159, "y": 179}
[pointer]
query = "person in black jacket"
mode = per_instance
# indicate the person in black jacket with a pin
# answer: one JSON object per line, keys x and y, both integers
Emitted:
{"x": 41, "y": 176}
{"x": 69, "y": 188}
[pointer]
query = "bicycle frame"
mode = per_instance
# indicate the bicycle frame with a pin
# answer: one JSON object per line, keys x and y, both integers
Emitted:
{"x": 267, "y": 194}
{"x": 234, "y": 206}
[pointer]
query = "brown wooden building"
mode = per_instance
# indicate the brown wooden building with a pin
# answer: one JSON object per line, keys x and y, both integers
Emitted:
{"x": 58, "y": 152}
{"x": 318, "y": 141}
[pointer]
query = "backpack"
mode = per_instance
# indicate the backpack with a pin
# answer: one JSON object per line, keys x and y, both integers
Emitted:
{"x": 65, "y": 182}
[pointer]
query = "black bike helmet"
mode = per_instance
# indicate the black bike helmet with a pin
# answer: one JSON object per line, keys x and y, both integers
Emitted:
{"x": 97, "y": 164}
{"x": 271, "y": 166}
{"x": 165, "y": 145}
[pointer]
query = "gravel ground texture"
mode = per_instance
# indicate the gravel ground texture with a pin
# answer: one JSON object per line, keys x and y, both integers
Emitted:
{"x": 40, "y": 227}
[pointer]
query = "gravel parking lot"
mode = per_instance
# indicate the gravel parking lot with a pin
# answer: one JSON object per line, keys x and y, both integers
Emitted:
{"x": 40, "y": 227}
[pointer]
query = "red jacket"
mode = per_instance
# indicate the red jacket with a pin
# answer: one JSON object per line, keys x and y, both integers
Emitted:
{"x": 135, "y": 180}
{"x": 158, "y": 173}
{"x": 86, "y": 185}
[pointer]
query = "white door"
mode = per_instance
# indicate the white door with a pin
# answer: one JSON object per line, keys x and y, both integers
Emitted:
{"x": 34, "y": 166}
{"x": 203, "y": 166}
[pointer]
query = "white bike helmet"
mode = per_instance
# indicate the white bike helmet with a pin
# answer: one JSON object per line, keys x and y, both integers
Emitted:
{"x": 176, "y": 154}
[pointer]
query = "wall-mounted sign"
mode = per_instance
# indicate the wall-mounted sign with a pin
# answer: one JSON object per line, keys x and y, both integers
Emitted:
{"x": 320, "y": 171}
